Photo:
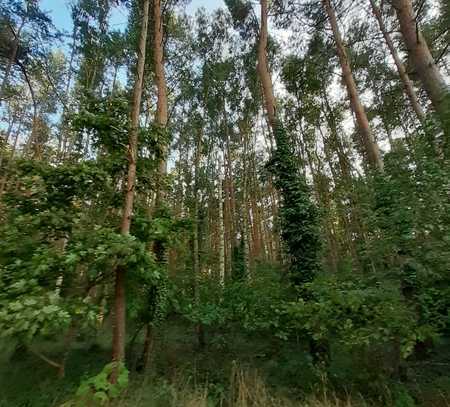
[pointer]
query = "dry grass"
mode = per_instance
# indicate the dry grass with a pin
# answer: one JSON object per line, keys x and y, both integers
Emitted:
{"x": 247, "y": 389}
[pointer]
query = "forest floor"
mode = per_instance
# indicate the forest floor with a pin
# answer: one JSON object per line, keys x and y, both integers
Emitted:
{"x": 232, "y": 370}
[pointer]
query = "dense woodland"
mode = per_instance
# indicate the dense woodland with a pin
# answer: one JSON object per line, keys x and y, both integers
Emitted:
{"x": 245, "y": 207}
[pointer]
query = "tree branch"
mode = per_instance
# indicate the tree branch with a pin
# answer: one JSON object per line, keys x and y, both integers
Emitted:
{"x": 45, "y": 359}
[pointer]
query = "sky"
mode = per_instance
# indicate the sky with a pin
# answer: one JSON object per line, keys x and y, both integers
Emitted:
{"x": 59, "y": 11}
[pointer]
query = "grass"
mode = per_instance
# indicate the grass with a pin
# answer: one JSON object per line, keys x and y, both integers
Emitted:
{"x": 233, "y": 371}
{"x": 246, "y": 389}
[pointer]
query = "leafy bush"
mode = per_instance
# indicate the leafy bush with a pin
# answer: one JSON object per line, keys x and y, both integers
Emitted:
{"x": 357, "y": 313}
{"x": 99, "y": 390}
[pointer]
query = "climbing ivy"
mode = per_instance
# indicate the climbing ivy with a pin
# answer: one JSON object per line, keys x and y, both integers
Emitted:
{"x": 299, "y": 217}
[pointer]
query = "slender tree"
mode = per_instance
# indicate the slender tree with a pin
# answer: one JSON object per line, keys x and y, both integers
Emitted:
{"x": 404, "y": 77}
{"x": 221, "y": 228}
{"x": 127, "y": 211}
{"x": 422, "y": 60}
{"x": 299, "y": 220}
{"x": 161, "y": 118}
{"x": 161, "y": 86}
{"x": 371, "y": 148}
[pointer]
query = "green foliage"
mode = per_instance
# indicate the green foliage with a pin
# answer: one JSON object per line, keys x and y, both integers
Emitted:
{"x": 358, "y": 313}
{"x": 253, "y": 304}
{"x": 401, "y": 397}
{"x": 412, "y": 214}
{"x": 384, "y": 306}
{"x": 106, "y": 122}
{"x": 99, "y": 390}
{"x": 208, "y": 310}
{"x": 104, "y": 249}
{"x": 152, "y": 301}
{"x": 28, "y": 310}
{"x": 55, "y": 248}
{"x": 238, "y": 264}
{"x": 107, "y": 119}
{"x": 42, "y": 189}
{"x": 300, "y": 76}
{"x": 298, "y": 214}
{"x": 243, "y": 17}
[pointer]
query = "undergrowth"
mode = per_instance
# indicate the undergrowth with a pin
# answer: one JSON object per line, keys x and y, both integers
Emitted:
{"x": 232, "y": 371}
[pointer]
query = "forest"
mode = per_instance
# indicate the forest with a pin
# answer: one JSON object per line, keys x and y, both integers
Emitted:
{"x": 237, "y": 203}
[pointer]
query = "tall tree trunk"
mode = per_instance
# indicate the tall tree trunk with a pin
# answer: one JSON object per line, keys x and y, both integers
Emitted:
{"x": 423, "y": 62}
{"x": 227, "y": 226}
{"x": 274, "y": 201}
{"x": 161, "y": 86}
{"x": 161, "y": 121}
{"x": 256, "y": 220}
{"x": 407, "y": 83}
{"x": 221, "y": 227}
{"x": 267, "y": 87}
{"x": 119, "y": 306}
{"x": 228, "y": 170}
{"x": 195, "y": 238}
{"x": 244, "y": 207}
{"x": 263, "y": 67}
{"x": 292, "y": 187}
{"x": 370, "y": 146}
{"x": 148, "y": 345}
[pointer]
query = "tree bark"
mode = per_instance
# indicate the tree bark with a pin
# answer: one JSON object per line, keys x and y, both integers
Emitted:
{"x": 423, "y": 62}
{"x": 69, "y": 337}
{"x": 120, "y": 302}
{"x": 161, "y": 118}
{"x": 195, "y": 236}
{"x": 148, "y": 346}
{"x": 270, "y": 104}
{"x": 229, "y": 184}
{"x": 161, "y": 86}
{"x": 227, "y": 226}
{"x": 404, "y": 77}
{"x": 221, "y": 228}
{"x": 244, "y": 229}
{"x": 263, "y": 67}
{"x": 369, "y": 144}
